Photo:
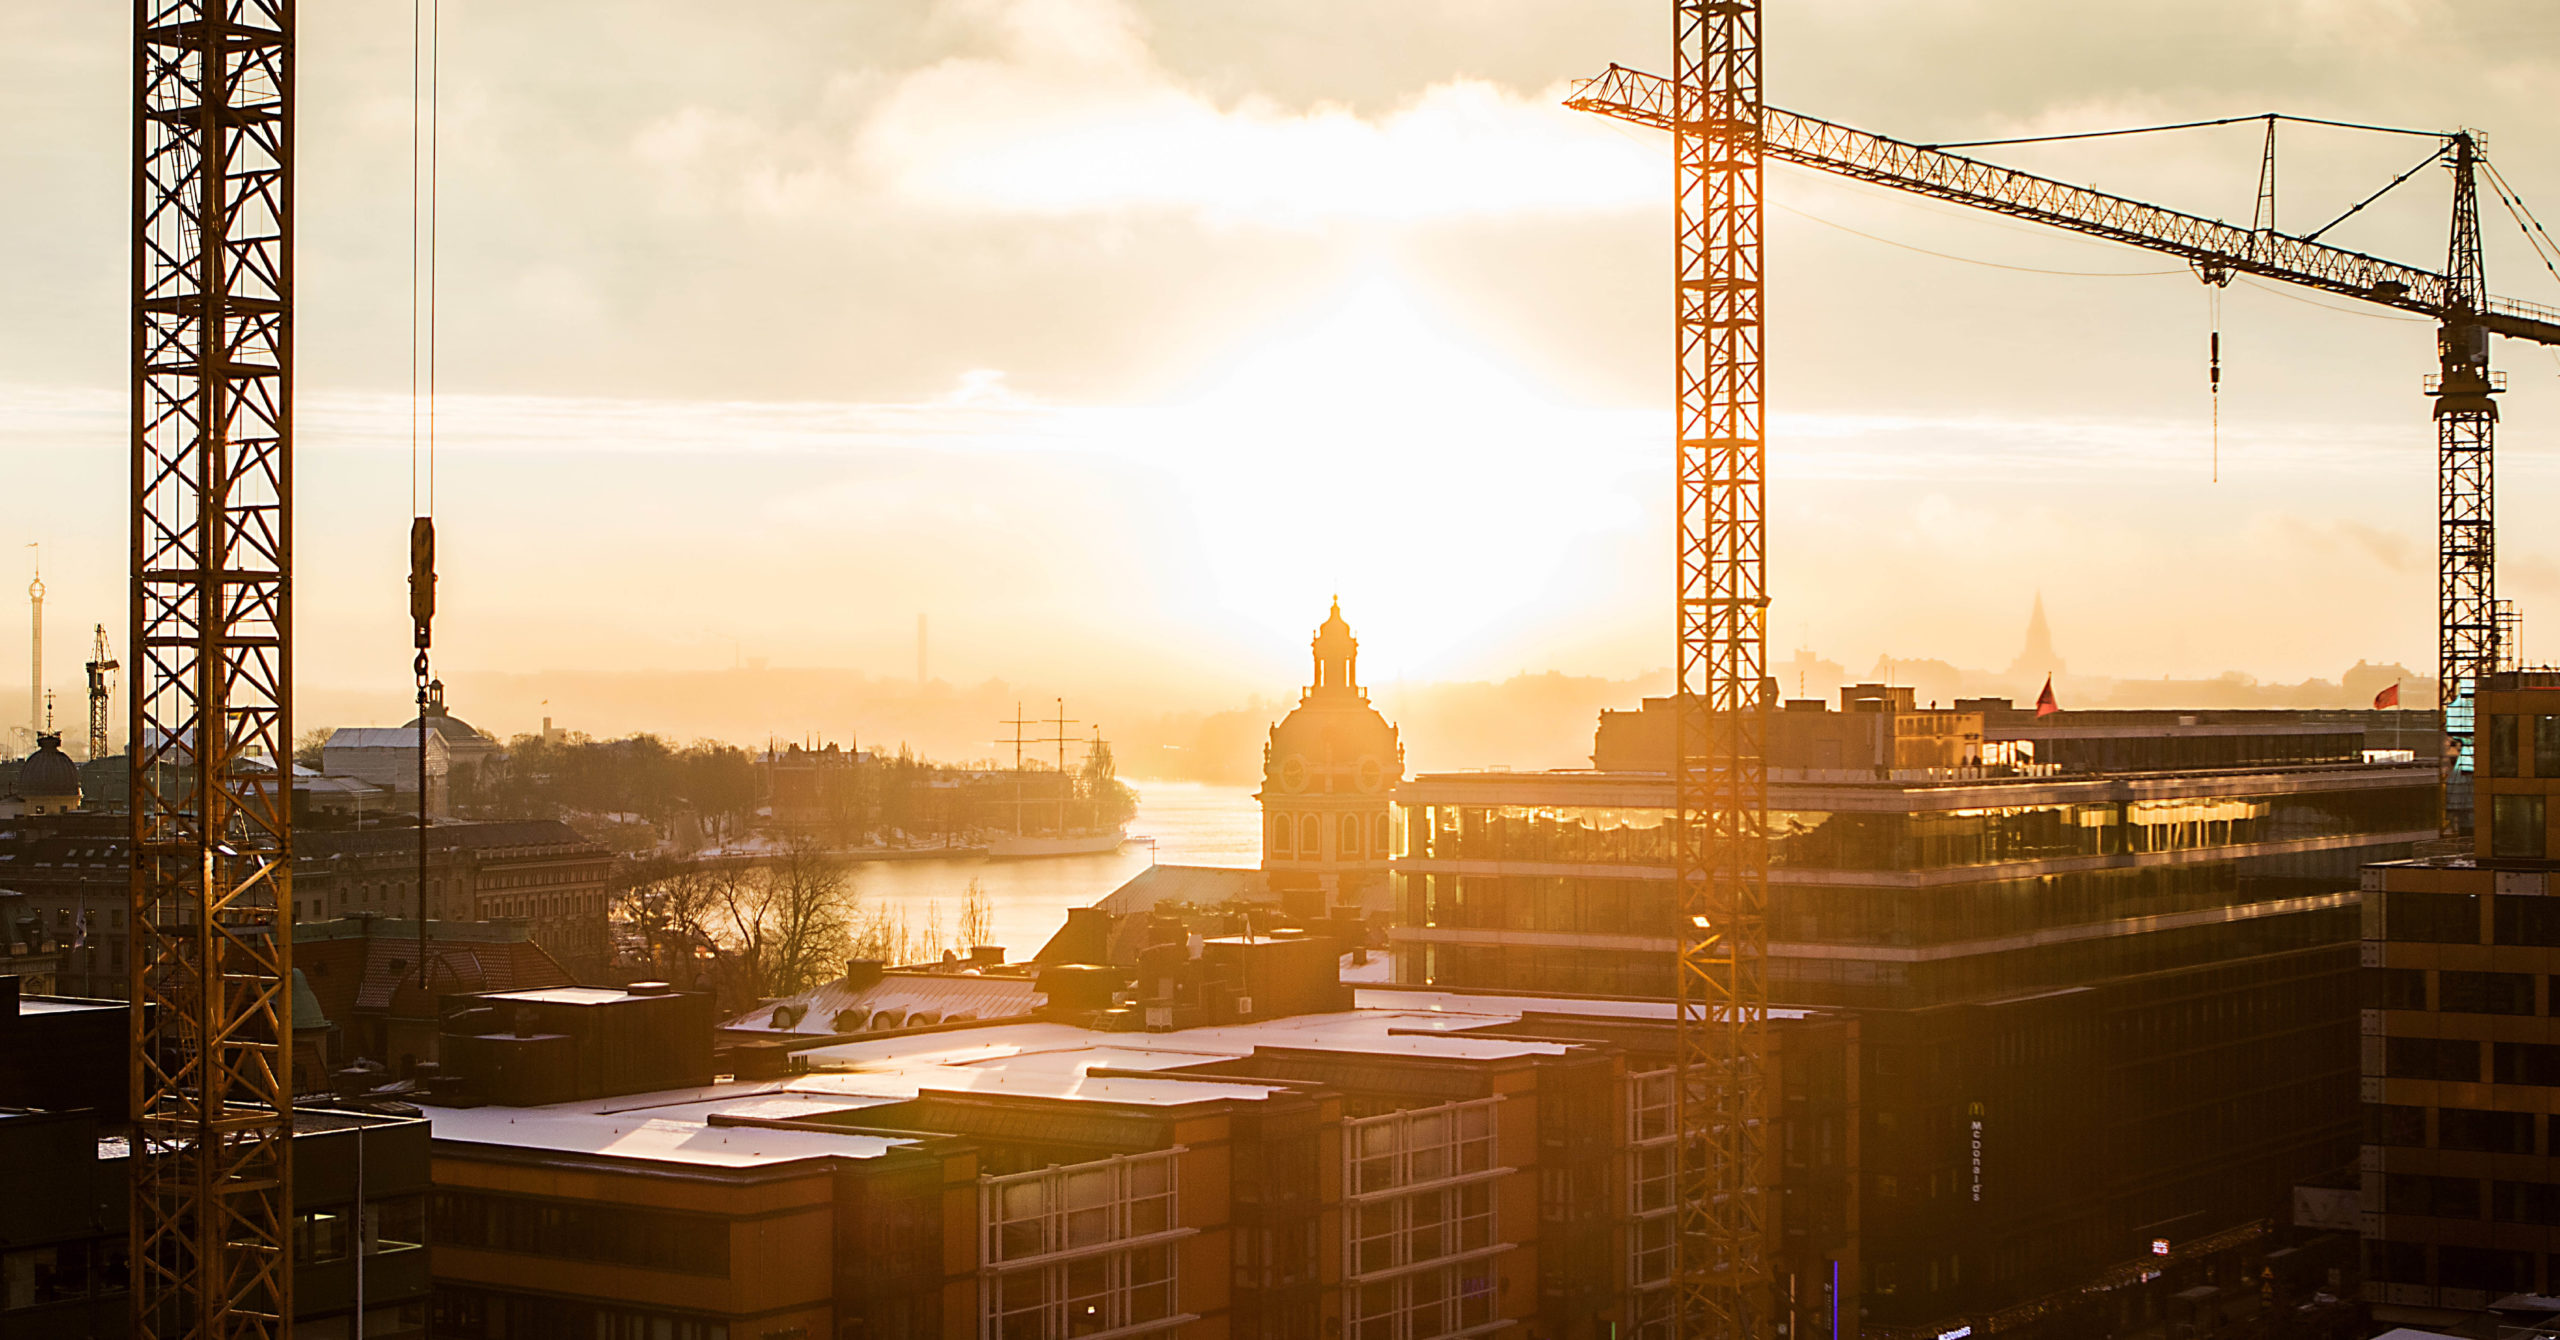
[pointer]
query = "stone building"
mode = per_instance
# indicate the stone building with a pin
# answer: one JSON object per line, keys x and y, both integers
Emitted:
{"x": 1329, "y": 776}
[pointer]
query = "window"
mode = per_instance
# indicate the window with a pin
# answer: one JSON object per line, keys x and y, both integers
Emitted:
{"x": 1310, "y": 838}
{"x": 1382, "y": 842}
{"x": 1094, "y": 1240}
{"x": 1423, "y": 1303}
{"x": 2546, "y": 746}
{"x": 1419, "y": 1218}
{"x": 2432, "y": 1058}
{"x": 2431, "y": 918}
{"x": 2487, "y": 1269}
{"x": 1280, "y": 832}
{"x": 689, "y": 1244}
{"x": 2516, "y": 826}
{"x": 319, "y": 1236}
{"x": 2396, "y": 1125}
{"x": 2505, "y": 749}
{"x": 2527, "y": 1063}
{"x": 2442, "y": 1197}
{"x": 2524, "y": 1202}
{"x": 2485, "y": 992}
{"x": 2526, "y": 920}
{"x": 1351, "y": 837}
{"x": 2484, "y": 1132}
{"x": 2395, "y": 988}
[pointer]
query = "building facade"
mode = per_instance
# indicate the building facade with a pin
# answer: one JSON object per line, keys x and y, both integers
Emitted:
{"x": 1272, "y": 1159}
{"x": 72, "y": 873}
{"x": 1329, "y": 774}
{"x": 2097, "y": 1012}
{"x": 2460, "y": 1189}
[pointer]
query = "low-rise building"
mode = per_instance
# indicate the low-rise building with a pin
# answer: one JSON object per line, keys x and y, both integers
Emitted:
{"x": 1248, "y": 1150}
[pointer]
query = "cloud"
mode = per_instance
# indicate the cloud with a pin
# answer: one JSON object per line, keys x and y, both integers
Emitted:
{"x": 1064, "y": 111}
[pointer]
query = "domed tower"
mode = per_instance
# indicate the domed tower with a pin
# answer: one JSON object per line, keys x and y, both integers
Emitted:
{"x": 48, "y": 781}
{"x": 1329, "y": 776}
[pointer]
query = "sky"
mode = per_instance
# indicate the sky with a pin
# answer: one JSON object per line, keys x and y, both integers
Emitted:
{"x": 1115, "y": 336}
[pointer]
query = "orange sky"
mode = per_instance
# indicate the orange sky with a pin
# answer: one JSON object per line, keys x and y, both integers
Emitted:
{"x": 1118, "y": 335}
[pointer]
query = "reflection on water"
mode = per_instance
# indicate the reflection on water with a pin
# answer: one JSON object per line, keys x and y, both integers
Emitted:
{"x": 1191, "y": 823}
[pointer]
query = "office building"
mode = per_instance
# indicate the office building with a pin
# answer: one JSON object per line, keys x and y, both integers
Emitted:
{"x": 2102, "y": 974}
{"x": 2460, "y": 1193}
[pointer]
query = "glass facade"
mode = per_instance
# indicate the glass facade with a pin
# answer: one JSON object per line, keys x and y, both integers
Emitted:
{"x": 1080, "y": 1250}
{"x": 1420, "y": 1228}
{"x": 1924, "y": 839}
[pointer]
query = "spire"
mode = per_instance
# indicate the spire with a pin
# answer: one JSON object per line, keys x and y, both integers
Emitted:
{"x": 2037, "y": 656}
{"x": 1337, "y": 653}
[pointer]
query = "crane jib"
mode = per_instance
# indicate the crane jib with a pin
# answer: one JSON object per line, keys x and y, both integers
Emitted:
{"x": 1631, "y": 95}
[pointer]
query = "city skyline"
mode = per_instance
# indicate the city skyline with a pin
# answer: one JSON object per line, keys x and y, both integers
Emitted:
{"x": 1226, "y": 324}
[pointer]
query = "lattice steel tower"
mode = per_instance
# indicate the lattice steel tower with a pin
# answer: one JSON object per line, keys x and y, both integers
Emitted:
{"x": 210, "y": 686}
{"x": 1720, "y": 773}
{"x": 2466, "y": 513}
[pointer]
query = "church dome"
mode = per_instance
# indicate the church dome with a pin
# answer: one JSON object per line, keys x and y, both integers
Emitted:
{"x": 49, "y": 773}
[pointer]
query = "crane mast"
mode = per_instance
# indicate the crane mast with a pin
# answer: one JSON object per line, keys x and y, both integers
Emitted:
{"x": 1720, "y": 776}
{"x": 102, "y": 663}
{"x": 209, "y": 701}
{"x": 2457, "y": 299}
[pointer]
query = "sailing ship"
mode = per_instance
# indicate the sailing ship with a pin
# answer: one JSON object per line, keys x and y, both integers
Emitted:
{"x": 1074, "y": 804}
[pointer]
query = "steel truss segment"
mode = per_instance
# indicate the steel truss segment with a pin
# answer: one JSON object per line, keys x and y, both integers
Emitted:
{"x": 1713, "y": 107}
{"x": 209, "y": 690}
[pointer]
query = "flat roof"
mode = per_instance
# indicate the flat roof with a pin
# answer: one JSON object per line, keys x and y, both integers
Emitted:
{"x": 567, "y": 995}
{"x": 696, "y": 1127}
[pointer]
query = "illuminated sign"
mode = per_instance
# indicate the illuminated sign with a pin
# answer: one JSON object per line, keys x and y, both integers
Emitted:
{"x": 2159, "y": 1246}
{"x": 1959, "y": 1333}
{"x": 1974, "y": 1112}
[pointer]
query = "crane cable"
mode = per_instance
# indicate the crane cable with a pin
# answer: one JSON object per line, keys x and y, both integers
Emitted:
{"x": 2213, "y": 377}
{"x": 425, "y": 74}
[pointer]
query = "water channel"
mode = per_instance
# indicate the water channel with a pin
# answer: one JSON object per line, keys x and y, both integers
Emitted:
{"x": 1178, "y": 823}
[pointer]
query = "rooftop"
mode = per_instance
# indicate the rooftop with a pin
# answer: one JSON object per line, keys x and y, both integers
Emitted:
{"x": 727, "y": 1124}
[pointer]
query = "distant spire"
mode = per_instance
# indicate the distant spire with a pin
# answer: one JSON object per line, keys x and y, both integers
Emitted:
{"x": 2038, "y": 654}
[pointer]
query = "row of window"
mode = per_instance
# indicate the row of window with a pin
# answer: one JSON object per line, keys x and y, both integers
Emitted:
{"x": 1926, "y": 840}
{"x": 1088, "y": 1295}
{"x": 65, "y": 1273}
{"x": 1421, "y": 1146}
{"x": 1852, "y": 915}
{"x": 2505, "y": 1202}
{"x": 1301, "y": 837}
{"x": 391, "y": 1224}
{"x": 2456, "y": 992}
{"x": 2515, "y": 739}
{"x": 1081, "y": 1207}
{"x": 2454, "y": 918}
{"x": 2474, "y": 1130}
{"x": 2489, "y": 1270}
{"x": 686, "y": 1244}
{"x": 462, "y": 1313}
{"x": 2458, "y": 1060}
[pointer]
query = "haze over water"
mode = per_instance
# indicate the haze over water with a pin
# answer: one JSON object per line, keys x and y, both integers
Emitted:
{"x": 1192, "y": 824}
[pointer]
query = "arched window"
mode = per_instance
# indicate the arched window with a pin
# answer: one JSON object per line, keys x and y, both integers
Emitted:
{"x": 1310, "y": 838}
{"x": 1350, "y": 837}
{"x": 1280, "y": 830}
{"x": 1380, "y": 844}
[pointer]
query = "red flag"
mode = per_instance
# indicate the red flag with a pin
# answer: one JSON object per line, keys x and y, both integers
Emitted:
{"x": 2389, "y": 697}
{"x": 2045, "y": 705}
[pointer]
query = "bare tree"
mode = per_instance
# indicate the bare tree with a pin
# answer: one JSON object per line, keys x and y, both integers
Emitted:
{"x": 977, "y": 918}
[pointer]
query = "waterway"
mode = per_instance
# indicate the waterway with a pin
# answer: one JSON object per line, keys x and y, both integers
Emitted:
{"x": 1178, "y": 823}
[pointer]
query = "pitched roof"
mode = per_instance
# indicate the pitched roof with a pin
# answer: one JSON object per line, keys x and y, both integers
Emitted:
{"x": 368, "y": 963}
{"x": 894, "y": 1001}
{"x": 1204, "y": 885}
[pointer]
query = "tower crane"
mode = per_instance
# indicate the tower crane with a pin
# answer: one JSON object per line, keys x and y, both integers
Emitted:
{"x": 102, "y": 663}
{"x": 210, "y": 701}
{"x": 2456, "y": 299}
